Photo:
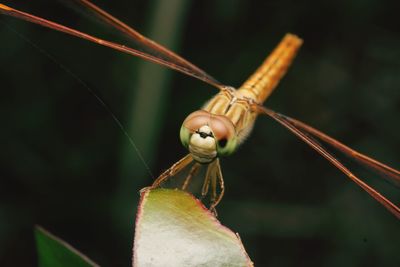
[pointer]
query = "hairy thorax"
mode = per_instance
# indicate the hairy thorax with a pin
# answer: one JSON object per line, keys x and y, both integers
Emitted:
{"x": 236, "y": 106}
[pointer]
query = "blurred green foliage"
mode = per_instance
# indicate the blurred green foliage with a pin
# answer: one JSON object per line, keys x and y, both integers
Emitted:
{"x": 54, "y": 252}
{"x": 64, "y": 161}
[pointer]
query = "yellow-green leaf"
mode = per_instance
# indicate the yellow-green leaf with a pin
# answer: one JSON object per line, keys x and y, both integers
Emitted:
{"x": 175, "y": 229}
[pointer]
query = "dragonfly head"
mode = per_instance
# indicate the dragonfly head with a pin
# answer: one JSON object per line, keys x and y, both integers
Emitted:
{"x": 208, "y": 136}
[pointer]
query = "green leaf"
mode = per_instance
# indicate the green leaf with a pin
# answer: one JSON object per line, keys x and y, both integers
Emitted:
{"x": 175, "y": 229}
{"x": 54, "y": 252}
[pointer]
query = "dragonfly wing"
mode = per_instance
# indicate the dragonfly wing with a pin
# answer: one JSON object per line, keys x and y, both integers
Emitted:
{"x": 146, "y": 43}
{"x": 287, "y": 123}
{"x": 388, "y": 172}
{"x": 172, "y": 64}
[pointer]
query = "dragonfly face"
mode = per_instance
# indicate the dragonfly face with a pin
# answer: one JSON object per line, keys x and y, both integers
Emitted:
{"x": 208, "y": 136}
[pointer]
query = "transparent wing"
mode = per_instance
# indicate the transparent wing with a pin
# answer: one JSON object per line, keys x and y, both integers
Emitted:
{"x": 169, "y": 60}
{"x": 290, "y": 124}
{"x": 392, "y": 175}
{"x": 150, "y": 45}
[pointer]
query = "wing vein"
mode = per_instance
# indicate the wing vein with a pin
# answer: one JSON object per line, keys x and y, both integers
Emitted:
{"x": 116, "y": 46}
{"x": 146, "y": 42}
{"x": 283, "y": 120}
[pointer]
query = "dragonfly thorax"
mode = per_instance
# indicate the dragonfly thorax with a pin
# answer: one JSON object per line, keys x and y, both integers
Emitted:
{"x": 208, "y": 136}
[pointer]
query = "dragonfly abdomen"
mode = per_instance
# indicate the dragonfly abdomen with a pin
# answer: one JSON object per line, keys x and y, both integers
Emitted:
{"x": 264, "y": 80}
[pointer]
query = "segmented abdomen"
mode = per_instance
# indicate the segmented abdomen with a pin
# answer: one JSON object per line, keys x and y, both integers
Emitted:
{"x": 261, "y": 84}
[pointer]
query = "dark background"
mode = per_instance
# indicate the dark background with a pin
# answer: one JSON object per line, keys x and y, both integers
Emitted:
{"x": 66, "y": 165}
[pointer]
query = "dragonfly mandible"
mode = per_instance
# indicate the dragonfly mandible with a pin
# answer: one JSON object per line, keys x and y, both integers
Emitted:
{"x": 224, "y": 122}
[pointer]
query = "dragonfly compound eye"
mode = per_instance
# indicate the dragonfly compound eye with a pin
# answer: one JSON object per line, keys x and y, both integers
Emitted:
{"x": 225, "y": 146}
{"x": 192, "y": 123}
{"x": 208, "y": 135}
{"x": 222, "y": 143}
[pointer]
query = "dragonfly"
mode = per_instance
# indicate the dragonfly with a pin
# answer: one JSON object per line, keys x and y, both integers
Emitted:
{"x": 226, "y": 120}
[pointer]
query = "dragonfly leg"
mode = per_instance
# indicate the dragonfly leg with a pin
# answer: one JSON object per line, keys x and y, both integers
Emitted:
{"x": 213, "y": 196}
{"x": 221, "y": 184}
{"x": 193, "y": 171}
{"x": 176, "y": 168}
{"x": 206, "y": 183}
{"x": 213, "y": 187}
